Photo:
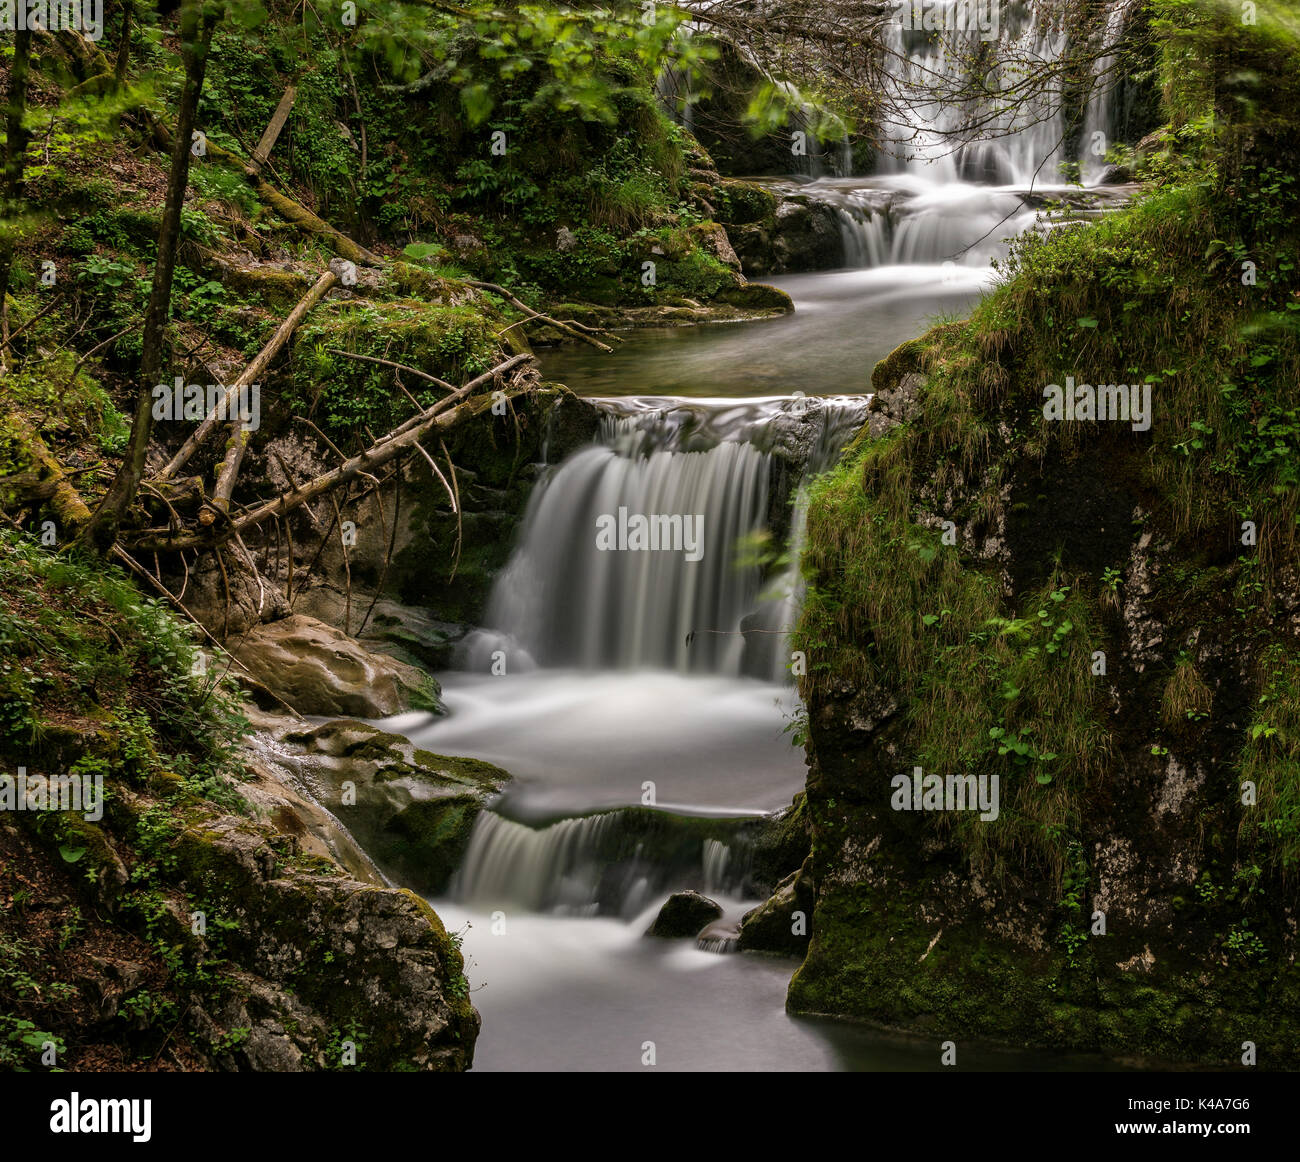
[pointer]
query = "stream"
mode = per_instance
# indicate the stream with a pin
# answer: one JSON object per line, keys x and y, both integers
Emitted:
{"x": 637, "y": 680}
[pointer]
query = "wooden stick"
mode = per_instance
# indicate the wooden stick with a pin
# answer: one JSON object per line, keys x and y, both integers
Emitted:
{"x": 263, "y": 151}
{"x": 389, "y": 363}
{"x": 250, "y": 375}
{"x": 576, "y": 331}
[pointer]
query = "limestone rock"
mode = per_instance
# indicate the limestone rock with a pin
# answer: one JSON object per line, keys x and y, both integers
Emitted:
{"x": 317, "y": 669}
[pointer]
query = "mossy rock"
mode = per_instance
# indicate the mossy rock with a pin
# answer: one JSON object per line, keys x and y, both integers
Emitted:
{"x": 758, "y": 296}
{"x": 411, "y": 810}
{"x": 742, "y": 203}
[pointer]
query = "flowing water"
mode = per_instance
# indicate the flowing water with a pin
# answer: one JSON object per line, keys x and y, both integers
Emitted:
{"x": 640, "y": 698}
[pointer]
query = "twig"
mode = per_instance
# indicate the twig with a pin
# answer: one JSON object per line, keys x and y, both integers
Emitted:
{"x": 460, "y": 528}
{"x": 389, "y": 363}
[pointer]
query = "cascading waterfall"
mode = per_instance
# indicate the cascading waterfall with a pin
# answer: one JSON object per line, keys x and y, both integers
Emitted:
{"x": 975, "y": 141}
{"x": 638, "y": 697}
{"x": 563, "y": 600}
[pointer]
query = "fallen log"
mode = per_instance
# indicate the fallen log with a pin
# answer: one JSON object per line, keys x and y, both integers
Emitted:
{"x": 44, "y": 478}
{"x": 438, "y": 415}
{"x": 249, "y": 376}
{"x": 286, "y": 207}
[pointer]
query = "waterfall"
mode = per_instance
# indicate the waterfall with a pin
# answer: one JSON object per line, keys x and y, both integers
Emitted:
{"x": 552, "y": 868}
{"x": 1098, "y": 118}
{"x": 609, "y": 863}
{"x": 572, "y": 596}
{"x": 866, "y": 234}
{"x": 970, "y": 141}
{"x": 568, "y": 601}
{"x": 716, "y": 857}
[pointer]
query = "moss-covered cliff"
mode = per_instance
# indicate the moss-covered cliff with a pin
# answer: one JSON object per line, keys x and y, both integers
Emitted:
{"x": 1101, "y": 615}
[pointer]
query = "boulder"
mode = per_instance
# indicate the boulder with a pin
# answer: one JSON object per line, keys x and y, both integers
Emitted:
{"x": 758, "y": 296}
{"x": 713, "y": 240}
{"x": 774, "y": 926}
{"x": 806, "y": 236}
{"x": 683, "y": 915}
{"x": 412, "y": 811}
{"x": 318, "y": 669}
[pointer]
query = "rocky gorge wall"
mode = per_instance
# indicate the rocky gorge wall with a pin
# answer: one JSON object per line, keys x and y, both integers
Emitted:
{"x": 1101, "y": 613}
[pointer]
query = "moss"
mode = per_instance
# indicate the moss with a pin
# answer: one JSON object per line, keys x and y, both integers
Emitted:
{"x": 276, "y": 289}
{"x": 757, "y": 296}
{"x": 346, "y": 396}
{"x": 424, "y": 844}
{"x": 473, "y": 772}
{"x": 741, "y": 203}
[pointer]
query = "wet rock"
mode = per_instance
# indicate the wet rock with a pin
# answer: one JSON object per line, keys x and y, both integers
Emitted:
{"x": 412, "y": 811}
{"x": 719, "y": 937}
{"x": 784, "y": 923}
{"x": 317, "y": 669}
{"x": 684, "y": 915}
{"x": 270, "y": 787}
{"x": 758, "y": 296}
{"x": 806, "y": 236}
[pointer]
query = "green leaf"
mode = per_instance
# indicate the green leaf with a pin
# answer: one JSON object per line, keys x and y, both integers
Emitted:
{"x": 71, "y": 854}
{"x": 477, "y": 100}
